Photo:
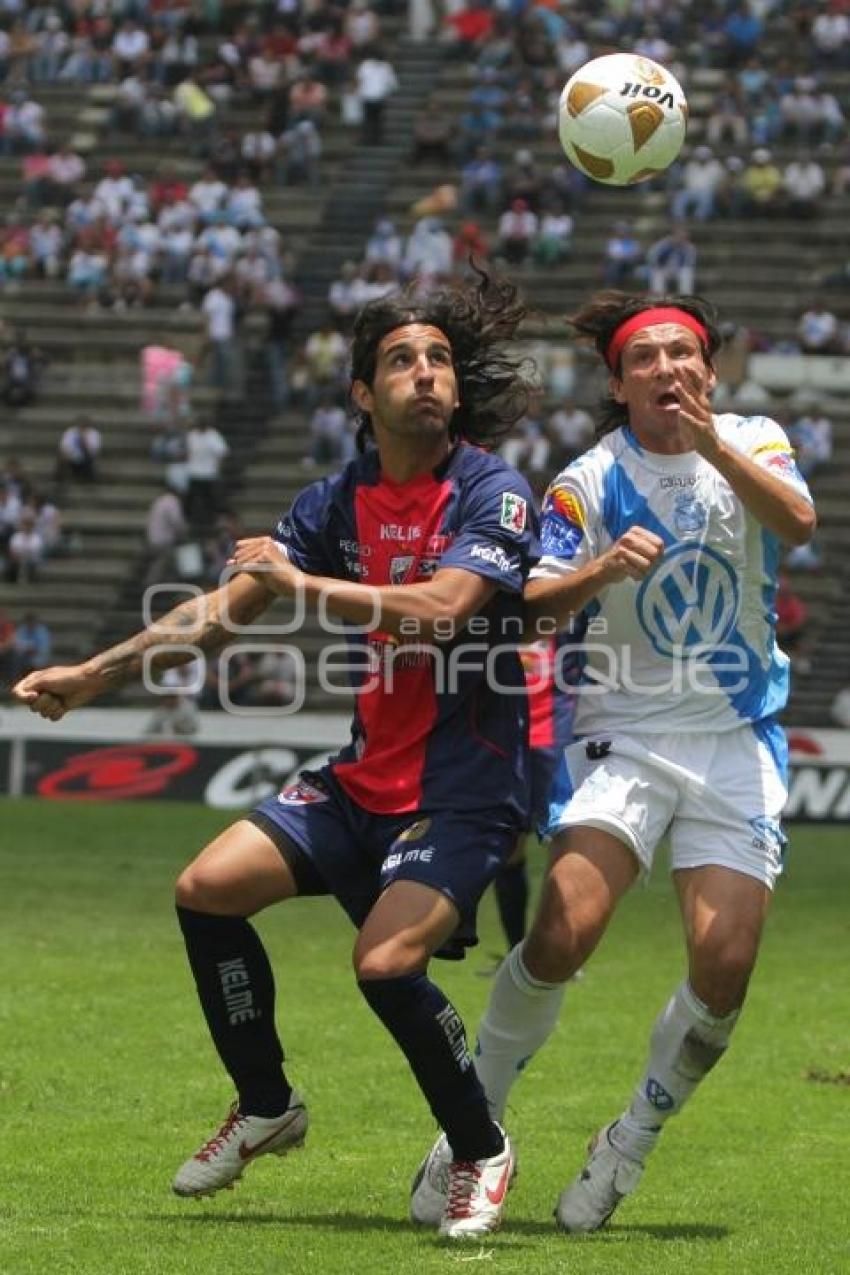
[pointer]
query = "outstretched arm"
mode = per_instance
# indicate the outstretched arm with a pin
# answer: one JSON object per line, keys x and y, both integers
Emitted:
{"x": 406, "y": 610}
{"x": 204, "y": 622}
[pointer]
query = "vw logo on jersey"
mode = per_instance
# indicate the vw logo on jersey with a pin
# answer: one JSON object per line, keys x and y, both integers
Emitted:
{"x": 690, "y": 600}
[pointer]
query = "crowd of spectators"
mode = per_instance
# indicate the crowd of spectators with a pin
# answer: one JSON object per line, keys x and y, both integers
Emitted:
{"x": 174, "y": 65}
{"x": 174, "y": 68}
{"x": 764, "y": 104}
{"x": 118, "y": 241}
{"x": 121, "y": 242}
{"x": 705, "y": 186}
{"x": 30, "y": 525}
{"x": 122, "y": 238}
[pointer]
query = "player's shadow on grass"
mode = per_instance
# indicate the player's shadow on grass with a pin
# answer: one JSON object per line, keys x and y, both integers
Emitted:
{"x": 616, "y": 1233}
{"x": 531, "y": 1227}
{"x": 669, "y": 1231}
{"x": 337, "y": 1222}
{"x": 333, "y": 1221}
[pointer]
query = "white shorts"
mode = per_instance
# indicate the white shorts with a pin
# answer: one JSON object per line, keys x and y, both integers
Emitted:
{"x": 720, "y": 795}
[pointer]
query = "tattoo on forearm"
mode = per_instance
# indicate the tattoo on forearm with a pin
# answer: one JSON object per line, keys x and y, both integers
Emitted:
{"x": 195, "y": 623}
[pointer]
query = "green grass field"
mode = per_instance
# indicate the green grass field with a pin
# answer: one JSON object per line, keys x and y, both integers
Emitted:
{"x": 107, "y": 1081}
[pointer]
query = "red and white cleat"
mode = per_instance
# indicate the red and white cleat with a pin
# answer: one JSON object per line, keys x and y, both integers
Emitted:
{"x": 476, "y": 1195}
{"x": 240, "y": 1140}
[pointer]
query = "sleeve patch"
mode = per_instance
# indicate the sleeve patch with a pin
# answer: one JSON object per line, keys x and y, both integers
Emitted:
{"x": 566, "y": 504}
{"x": 560, "y": 537}
{"x": 514, "y": 513}
{"x": 783, "y": 463}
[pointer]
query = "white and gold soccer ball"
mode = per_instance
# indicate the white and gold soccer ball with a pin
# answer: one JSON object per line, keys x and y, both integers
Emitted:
{"x": 622, "y": 119}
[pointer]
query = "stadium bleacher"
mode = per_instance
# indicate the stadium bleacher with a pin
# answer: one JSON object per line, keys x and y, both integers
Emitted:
{"x": 759, "y": 273}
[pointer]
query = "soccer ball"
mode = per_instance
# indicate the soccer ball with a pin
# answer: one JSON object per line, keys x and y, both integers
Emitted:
{"x": 622, "y": 119}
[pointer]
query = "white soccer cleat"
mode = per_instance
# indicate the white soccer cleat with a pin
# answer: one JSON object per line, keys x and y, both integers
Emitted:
{"x": 476, "y": 1194}
{"x": 588, "y": 1202}
{"x": 429, "y": 1189}
{"x": 240, "y": 1140}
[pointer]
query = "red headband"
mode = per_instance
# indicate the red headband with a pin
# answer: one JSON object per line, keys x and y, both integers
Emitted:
{"x": 648, "y": 319}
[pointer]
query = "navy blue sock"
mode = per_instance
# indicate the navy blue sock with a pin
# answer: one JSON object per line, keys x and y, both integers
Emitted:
{"x": 432, "y": 1038}
{"x": 236, "y": 990}
{"x": 511, "y": 886}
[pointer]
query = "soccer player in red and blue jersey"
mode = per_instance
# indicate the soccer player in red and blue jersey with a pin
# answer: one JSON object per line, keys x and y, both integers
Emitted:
{"x": 424, "y": 542}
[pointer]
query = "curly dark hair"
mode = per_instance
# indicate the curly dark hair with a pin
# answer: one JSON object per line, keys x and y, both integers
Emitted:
{"x": 477, "y": 320}
{"x": 599, "y": 318}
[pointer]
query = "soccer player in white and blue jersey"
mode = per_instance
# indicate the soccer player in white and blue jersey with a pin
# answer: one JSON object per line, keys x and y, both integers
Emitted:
{"x": 666, "y": 535}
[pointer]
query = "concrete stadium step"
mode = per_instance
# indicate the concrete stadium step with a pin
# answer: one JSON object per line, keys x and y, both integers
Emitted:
{"x": 64, "y": 379}
{"x": 45, "y": 593}
{"x": 124, "y": 443}
{"x": 142, "y": 322}
{"x": 115, "y": 488}
{"x": 83, "y": 570}
{"x": 55, "y": 293}
{"x": 44, "y": 417}
{"x": 114, "y": 347}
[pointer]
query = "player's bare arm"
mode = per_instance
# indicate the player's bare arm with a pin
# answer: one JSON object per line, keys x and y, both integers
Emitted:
{"x": 562, "y": 598}
{"x": 203, "y": 622}
{"x": 772, "y": 502}
{"x": 452, "y": 594}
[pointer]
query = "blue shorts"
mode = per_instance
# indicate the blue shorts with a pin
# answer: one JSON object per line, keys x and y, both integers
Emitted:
{"x": 334, "y": 846}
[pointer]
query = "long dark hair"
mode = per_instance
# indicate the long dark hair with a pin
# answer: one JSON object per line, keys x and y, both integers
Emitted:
{"x": 599, "y": 318}
{"x": 477, "y": 320}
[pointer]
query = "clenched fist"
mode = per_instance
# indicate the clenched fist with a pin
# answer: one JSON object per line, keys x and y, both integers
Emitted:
{"x": 632, "y": 556}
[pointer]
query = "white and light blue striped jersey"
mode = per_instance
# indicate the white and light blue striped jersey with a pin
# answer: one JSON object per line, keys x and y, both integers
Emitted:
{"x": 691, "y": 647}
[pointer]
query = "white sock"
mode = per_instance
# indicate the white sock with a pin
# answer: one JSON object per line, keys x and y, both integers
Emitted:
{"x": 687, "y": 1040}
{"x": 519, "y": 1018}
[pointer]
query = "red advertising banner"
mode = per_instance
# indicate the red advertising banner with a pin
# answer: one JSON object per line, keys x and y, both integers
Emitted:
{"x": 234, "y": 776}
{"x": 226, "y": 777}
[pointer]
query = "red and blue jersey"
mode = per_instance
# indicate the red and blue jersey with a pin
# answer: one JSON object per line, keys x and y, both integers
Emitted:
{"x": 438, "y": 724}
{"x": 552, "y": 669}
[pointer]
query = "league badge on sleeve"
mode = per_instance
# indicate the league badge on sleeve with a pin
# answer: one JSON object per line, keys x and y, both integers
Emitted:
{"x": 514, "y": 513}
